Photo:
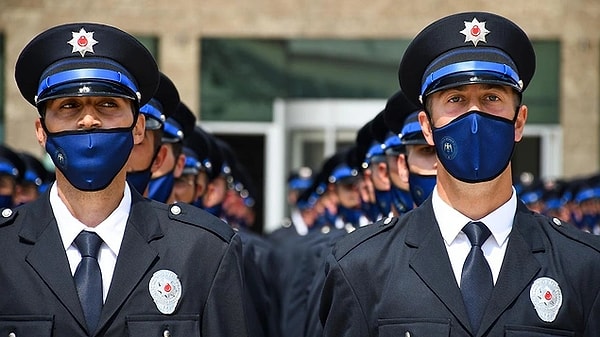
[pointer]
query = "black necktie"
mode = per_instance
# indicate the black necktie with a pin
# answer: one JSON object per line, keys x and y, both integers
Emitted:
{"x": 476, "y": 283}
{"x": 88, "y": 278}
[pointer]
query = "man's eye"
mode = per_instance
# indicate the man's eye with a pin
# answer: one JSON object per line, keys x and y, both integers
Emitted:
{"x": 454, "y": 99}
{"x": 68, "y": 105}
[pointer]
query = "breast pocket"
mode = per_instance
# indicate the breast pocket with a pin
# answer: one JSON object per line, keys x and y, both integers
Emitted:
{"x": 414, "y": 327}
{"x": 163, "y": 326}
{"x": 39, "y": 326}
{"x": 530, "y": 331}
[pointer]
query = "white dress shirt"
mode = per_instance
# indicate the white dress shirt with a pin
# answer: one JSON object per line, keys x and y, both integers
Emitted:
{"x": 111, "y": 230}
{"x": 451, "y": 222}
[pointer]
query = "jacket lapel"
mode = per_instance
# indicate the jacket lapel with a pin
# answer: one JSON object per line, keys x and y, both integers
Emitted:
{"x": 135, "y": 255}
{"x": 518, "y": 268}
{"x": 431, "y": 261}
{"x": 47, "y": 255}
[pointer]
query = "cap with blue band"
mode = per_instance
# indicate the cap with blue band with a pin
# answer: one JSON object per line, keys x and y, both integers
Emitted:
{"x": 81, "y": 75}
{"x": 502, "y": 70}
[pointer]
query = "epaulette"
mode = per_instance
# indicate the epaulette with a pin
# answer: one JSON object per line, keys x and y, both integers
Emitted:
{"x": 195, "y": 216}
{"x": 361, "y": 234}
{"x": 7, "y": 216}
{"x": 573, "y": 233}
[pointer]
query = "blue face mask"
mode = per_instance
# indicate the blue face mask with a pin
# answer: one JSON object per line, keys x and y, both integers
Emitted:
{"x": 6, "y": 201}
{"x": 421, "y": 186}
{"x": 160, "y": 188}
{"x": 216, "y": 210}
{"x": 476, "y": 146}
{"x": 588, "y": 221}
{"x": 370, "y": 210}
{"x": 401, "y": 200}
{"x": 90, "y": 159}
{"x": 325, "y": 219}
{"x": 349, "y": 215}
{"x": 384, "y": 201}
{"x": 139, "y": 179}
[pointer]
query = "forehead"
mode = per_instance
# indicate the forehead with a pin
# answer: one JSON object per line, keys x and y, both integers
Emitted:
{"x": 477, "y": 87}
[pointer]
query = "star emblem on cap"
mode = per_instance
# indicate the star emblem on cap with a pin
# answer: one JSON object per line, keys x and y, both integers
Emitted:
{"x": 82, "y": 42}
{"x": 475, "y": 31}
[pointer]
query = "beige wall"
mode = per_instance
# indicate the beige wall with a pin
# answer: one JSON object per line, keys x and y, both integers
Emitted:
{"x": 180, "y": 24}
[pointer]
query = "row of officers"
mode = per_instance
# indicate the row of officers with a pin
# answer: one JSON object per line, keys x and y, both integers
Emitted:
{"x": 145, "y": 227}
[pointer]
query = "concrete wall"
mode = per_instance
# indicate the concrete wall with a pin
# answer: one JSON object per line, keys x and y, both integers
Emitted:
{"x": 179, "y": 24}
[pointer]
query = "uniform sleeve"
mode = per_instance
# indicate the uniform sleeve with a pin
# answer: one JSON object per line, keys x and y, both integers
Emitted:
{"x": 224, "y": 314}
{"x": 593, "y": 322}
{"x": 340, "y": 310}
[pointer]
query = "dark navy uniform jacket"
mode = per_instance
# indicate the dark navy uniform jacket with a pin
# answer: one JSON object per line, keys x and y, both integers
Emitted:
{"x": 394, "y": 278}
{"x": 40, "y": 299}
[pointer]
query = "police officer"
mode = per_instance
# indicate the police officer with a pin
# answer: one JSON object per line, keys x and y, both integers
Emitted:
{"x": 148, "y": 156}
{"x": 415, "y": 163}
{"x": 12, "y": 169}
{"x": 92, "y": 257}
{"x": 401, "y": 200}
{"x": 472, "y": 260}
{"x": 179, "y": 124}
{"x": 35, "y": 179}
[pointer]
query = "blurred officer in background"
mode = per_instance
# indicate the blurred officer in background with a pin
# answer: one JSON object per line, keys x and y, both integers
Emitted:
{"x": 149, "y": 155}
{"x": 472, "y": 260}
{"x": 36, "y": 179}
{"x": 401, "y": 198}
{"x": 198, "y": 146}
{"x": 416, "y": 162}
{"x": 12, "y": 169}
{"x": 92, "y": 257}
{"x": 177, "y": 126}
{"x": 375, "y": 168}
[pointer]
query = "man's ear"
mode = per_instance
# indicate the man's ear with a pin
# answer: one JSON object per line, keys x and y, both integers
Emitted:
{"x": 520, "y": 122}
{"x": 179, "y": 166}
{"x": 426, "y": 127}
{"x": 159, "y": 159}
{"x": 403, "y": 168}
{"x": 139, "y": 129}
{"x": 40, "y": 133}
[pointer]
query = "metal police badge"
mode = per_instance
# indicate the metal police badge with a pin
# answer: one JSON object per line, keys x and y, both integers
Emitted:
{"x": 82, "y": 42}
{"x": 546, "y": 296}
{"x": 165, "y": 289}
{"x": 475, "y": 31}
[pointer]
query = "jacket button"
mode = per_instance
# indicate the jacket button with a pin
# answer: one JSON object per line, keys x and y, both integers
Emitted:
{"x": 167, "y": 333}
{"x": 175, "y": 210}
{"x": 12, "y": 334}
{"x": 7, "y": 212}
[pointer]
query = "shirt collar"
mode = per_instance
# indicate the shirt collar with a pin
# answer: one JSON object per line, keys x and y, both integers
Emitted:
{"x": 451, "y": 221}
{"x": 111, "y": 230}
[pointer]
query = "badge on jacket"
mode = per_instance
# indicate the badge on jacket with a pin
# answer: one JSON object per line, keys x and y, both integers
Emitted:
{"x": 546, "y": 296}
{"x": 165, "y": 289}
